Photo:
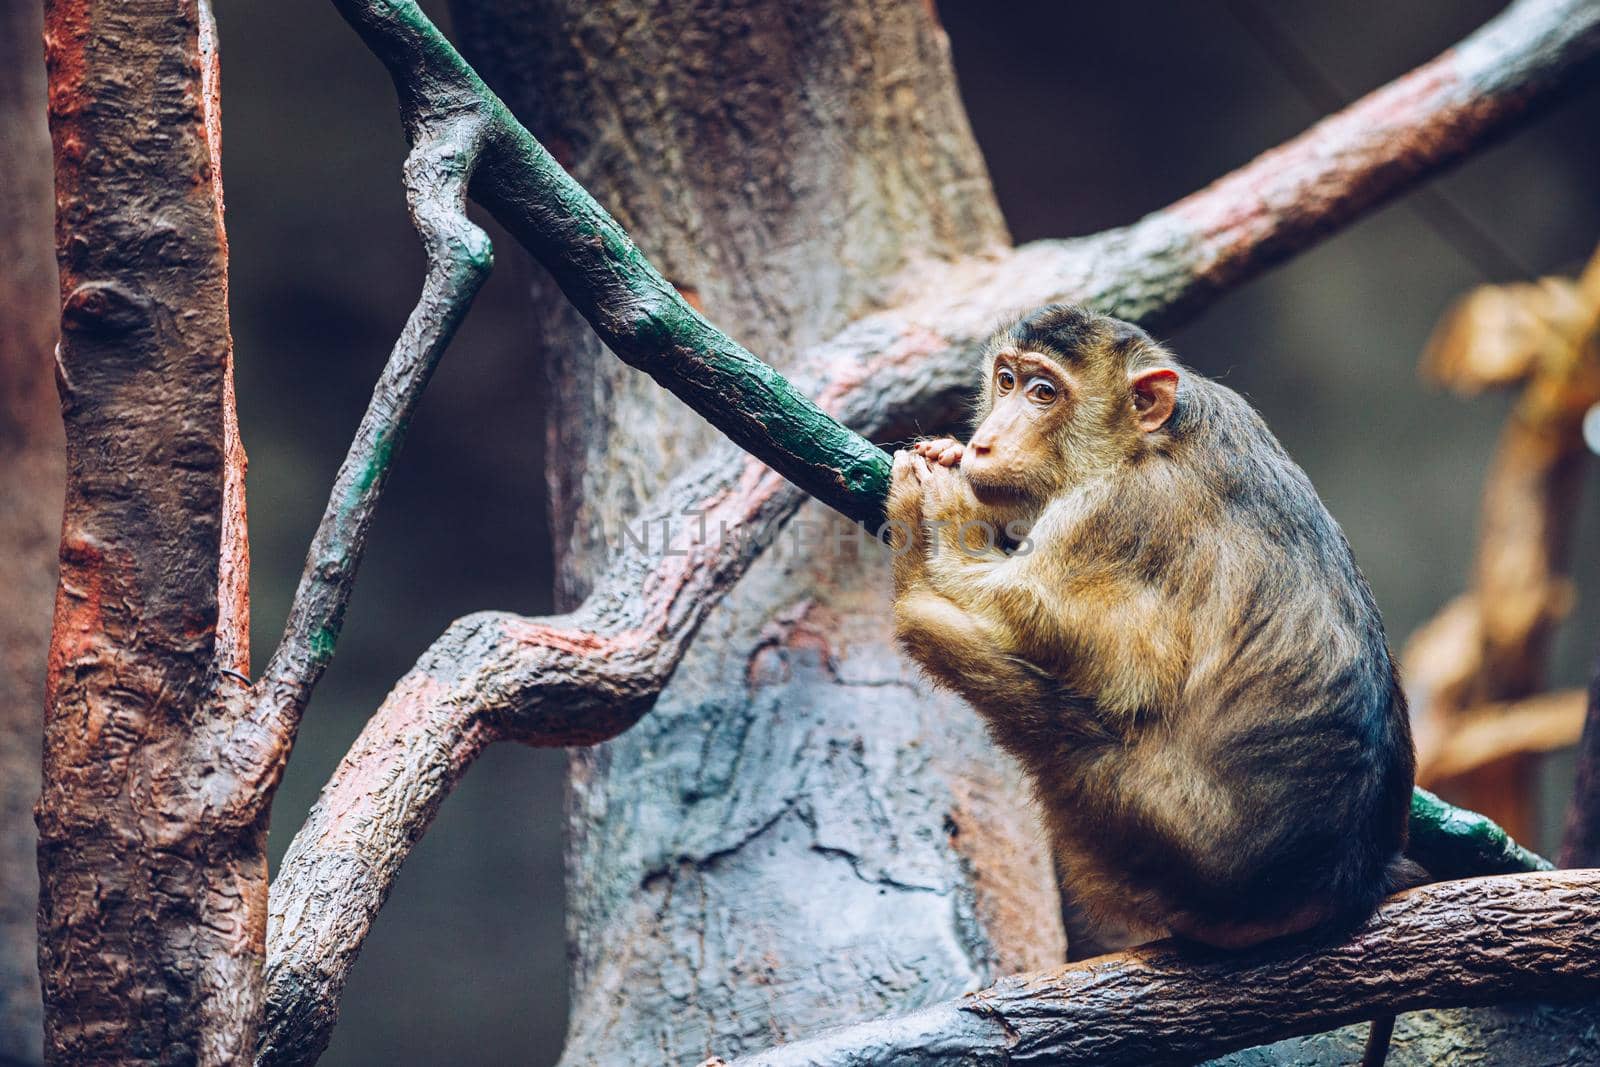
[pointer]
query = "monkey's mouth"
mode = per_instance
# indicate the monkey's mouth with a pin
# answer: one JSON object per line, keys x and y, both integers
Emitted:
{"x": 995, "y": 486}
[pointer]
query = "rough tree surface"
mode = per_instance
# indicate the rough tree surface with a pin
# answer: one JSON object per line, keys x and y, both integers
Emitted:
{"x": 1517, "y": 936}
{"x": 31, "y": 463}
{"x": 152, "y": 879}
{"x": 799, "y": 831}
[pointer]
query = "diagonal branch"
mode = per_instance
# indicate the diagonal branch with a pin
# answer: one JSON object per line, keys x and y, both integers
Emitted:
{"x": 580, "y": 678}
{"x": 569, "y": 680}
{"x": 459, "y": 259}
{"x": 1449, "y": 945}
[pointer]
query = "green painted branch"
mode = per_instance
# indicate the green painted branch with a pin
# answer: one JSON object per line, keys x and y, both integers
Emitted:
{"x": 635, "y": 310}
{"x": 459, "y": 259}
{"x": 1453, "y": 842}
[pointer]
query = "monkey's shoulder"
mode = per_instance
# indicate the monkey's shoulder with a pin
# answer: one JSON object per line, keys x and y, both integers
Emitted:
{"x": 1234, "y": 460}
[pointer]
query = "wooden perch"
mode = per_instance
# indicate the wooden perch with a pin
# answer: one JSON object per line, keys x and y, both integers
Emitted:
{"x": 586, "y": 676}
{"x": 1446, "y": 945}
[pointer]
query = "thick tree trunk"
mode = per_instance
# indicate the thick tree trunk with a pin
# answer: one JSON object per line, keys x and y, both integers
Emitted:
{"x": 152, "y": 860}
{"x": 799, "y": 833}
{"x": 31, "y": 465}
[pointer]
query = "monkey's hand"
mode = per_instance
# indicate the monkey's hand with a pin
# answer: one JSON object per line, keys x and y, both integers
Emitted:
{"x": 907, "y": 538}
{"x": 959, "y": 529}
{"x": 945, "y": 451}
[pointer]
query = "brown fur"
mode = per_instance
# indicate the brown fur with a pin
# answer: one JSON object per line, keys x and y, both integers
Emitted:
{"x": 1186, "y": 659}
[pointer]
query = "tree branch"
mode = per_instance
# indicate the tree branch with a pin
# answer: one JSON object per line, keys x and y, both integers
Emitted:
{"x": 1448, "y": 945}
{"x": 445, "y": 150}
{"x": 637, "y": 312}
{"x": 581, "y": 678}
{"x": 569, "y": 680}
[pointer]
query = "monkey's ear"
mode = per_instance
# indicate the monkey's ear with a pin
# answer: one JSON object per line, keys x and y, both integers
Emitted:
{"x": 1155, "y": 394}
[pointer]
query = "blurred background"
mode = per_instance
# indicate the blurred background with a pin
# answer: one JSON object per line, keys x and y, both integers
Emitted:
{"x": 1091, "y": 114}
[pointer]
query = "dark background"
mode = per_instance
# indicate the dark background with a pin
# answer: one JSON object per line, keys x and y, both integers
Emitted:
{"x": 1091, "y": 114}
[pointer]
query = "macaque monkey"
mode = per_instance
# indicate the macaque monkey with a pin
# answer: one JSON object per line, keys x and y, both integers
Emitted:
{"x": 1141, "y": 593}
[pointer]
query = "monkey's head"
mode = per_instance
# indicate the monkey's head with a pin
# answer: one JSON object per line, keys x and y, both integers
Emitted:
{"x": 1067, "y": 394}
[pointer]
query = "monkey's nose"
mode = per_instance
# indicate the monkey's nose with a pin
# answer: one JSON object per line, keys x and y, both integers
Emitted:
{"x": 979, "y": 448}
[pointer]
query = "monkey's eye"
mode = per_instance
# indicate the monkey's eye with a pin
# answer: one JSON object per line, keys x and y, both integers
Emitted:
{"x": 1004, "y": 380}
{"x": 1041, "y": 392}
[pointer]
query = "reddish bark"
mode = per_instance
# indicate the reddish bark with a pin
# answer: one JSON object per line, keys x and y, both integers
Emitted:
{"x": 153, "y": 873}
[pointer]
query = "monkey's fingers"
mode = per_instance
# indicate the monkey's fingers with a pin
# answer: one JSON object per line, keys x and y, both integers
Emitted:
{"x": 942, "y": 450}
{"x": 905, "y": 488}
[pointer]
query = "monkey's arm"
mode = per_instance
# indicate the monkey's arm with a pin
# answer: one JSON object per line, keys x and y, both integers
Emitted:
{"x": 907, "y": 530}
{"x": 1081, "y": 617}
{"x": 967, "y": 652}
{"x": 961, "y": 557}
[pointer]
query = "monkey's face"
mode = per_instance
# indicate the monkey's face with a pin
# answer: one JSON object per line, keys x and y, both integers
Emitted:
{"x": 1015, "y": 454}
{"x": 1050, "y": 423}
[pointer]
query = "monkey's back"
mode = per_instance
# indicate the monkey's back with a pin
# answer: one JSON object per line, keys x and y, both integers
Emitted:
{"x": 1271, "y": 795}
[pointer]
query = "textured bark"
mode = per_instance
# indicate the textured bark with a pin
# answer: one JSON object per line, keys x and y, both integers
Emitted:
{"x": 153, "y": 884}
{"x": 792, "y": 817}
{"x": 32, "y": 461}
{"x": 1450, "y": 944}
